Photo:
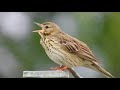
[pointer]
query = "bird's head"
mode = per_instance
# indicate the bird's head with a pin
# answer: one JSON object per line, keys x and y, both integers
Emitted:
{"x": 48, "y": 28}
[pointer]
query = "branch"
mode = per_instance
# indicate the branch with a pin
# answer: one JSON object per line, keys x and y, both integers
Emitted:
{"x": 74, "y": 73}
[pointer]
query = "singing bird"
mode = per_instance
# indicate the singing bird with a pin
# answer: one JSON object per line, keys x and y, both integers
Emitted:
{"x": 66, "y": 50}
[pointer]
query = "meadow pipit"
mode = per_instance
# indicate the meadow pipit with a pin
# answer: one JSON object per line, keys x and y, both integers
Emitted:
{"x": 66, "y": 50}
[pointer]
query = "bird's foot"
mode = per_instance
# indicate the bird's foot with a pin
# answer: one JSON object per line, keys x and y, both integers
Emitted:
{"x": 62, "y": 68}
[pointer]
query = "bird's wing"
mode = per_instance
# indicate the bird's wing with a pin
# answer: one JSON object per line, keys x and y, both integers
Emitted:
{"x": 78, "y": 48}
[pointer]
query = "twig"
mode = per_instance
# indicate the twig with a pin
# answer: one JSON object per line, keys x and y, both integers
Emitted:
{"x": 74, "y": 73}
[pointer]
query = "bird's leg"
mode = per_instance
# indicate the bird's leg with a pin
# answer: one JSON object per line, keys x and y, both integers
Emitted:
{"x": 59, "y": 68}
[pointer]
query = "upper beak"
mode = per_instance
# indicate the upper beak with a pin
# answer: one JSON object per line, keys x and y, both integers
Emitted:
{"x": 38, "y": 25}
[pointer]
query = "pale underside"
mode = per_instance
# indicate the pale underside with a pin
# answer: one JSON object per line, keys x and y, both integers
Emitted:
{"x": 68, "y": 52}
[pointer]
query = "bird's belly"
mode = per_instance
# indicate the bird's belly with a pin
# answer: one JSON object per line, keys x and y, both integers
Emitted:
{"x": 56, "y": 56}
{"x": 61, "y": 58}
{"x": 53, "y": 54}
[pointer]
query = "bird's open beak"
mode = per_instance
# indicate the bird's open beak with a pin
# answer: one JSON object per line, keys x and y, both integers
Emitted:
{"x": 41, "y": 31}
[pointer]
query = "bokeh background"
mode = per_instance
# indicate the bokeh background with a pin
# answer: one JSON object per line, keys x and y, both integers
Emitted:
{"x": 20, "y": 49}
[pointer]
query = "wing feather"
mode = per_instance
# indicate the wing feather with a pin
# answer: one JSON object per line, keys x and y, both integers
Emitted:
{"x": 78, "y": 48}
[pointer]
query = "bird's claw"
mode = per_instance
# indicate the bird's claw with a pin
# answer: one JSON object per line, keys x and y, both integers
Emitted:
{"x": 59, "y": 68}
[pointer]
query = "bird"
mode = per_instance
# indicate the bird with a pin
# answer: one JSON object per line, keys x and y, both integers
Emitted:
{"x": 67, "y": 51}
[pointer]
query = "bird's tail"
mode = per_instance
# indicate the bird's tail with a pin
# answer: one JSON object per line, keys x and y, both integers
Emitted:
{"x": 98, "y": 68}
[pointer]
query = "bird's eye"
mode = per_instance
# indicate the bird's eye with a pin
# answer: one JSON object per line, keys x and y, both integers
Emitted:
{"x": 46, "y": 27}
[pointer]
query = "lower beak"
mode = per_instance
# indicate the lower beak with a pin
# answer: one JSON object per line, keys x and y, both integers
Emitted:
{"x": 38, "y": 31}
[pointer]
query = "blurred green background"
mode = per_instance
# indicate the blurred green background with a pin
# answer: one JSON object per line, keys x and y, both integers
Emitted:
{"x": 20, "y": 49}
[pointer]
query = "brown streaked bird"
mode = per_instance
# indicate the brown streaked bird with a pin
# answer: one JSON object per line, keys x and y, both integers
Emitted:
{"x": 66, "y": 50}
